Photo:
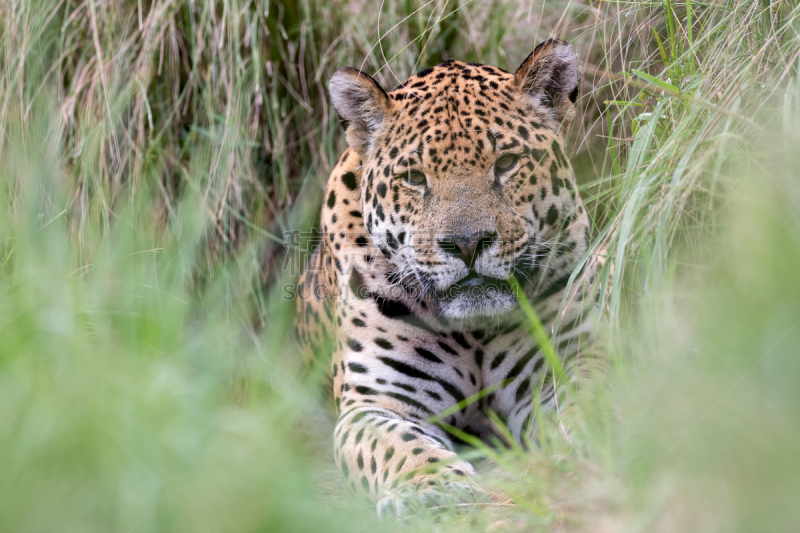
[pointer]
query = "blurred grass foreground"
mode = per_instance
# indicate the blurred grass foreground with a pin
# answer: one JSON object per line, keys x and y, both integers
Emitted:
{"x": 153, "y": 153}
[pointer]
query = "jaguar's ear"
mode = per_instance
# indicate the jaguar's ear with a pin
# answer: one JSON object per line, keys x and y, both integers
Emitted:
{"x": 362, "y": 104}
{"x": 551, "y": 75}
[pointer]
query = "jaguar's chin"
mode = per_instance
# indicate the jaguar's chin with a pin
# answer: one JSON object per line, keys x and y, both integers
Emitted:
{"x": 476, "y": 297}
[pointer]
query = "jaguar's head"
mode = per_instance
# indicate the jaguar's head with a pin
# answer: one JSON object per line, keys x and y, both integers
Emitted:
{"x": 465, "y": 180}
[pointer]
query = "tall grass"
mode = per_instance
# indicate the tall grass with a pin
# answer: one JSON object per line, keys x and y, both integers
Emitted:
{"x": 153, "y": 153}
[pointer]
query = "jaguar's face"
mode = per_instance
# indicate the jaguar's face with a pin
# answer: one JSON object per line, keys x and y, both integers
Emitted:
{"x": 465, "y": 181}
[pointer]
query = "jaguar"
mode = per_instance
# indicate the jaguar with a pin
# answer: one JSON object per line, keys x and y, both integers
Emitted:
{"x": 453, "y": 202}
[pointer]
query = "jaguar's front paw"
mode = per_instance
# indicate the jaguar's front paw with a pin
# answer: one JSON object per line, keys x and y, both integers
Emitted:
{"x": 428, "y": 492}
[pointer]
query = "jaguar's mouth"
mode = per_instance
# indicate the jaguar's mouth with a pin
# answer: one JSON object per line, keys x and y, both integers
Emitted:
{"x": 477, "y": 295}
{"x": 476, "y": 284}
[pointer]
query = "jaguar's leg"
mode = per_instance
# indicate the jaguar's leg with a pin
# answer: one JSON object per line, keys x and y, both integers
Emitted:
{"x": 394, "y": 461}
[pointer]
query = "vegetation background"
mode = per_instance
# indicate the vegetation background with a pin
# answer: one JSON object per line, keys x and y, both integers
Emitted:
{"x": 154, "y": 152}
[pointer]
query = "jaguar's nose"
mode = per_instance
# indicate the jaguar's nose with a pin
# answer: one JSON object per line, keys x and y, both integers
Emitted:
{"x": 467, "y": 247}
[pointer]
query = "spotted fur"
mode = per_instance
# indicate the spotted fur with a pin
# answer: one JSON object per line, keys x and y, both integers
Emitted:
{"x": 453, "y": 182}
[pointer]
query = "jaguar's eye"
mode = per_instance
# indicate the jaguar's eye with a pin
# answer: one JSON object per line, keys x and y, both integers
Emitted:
{"x": 505, "y": 163}
{"x": 415, "y": 177}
